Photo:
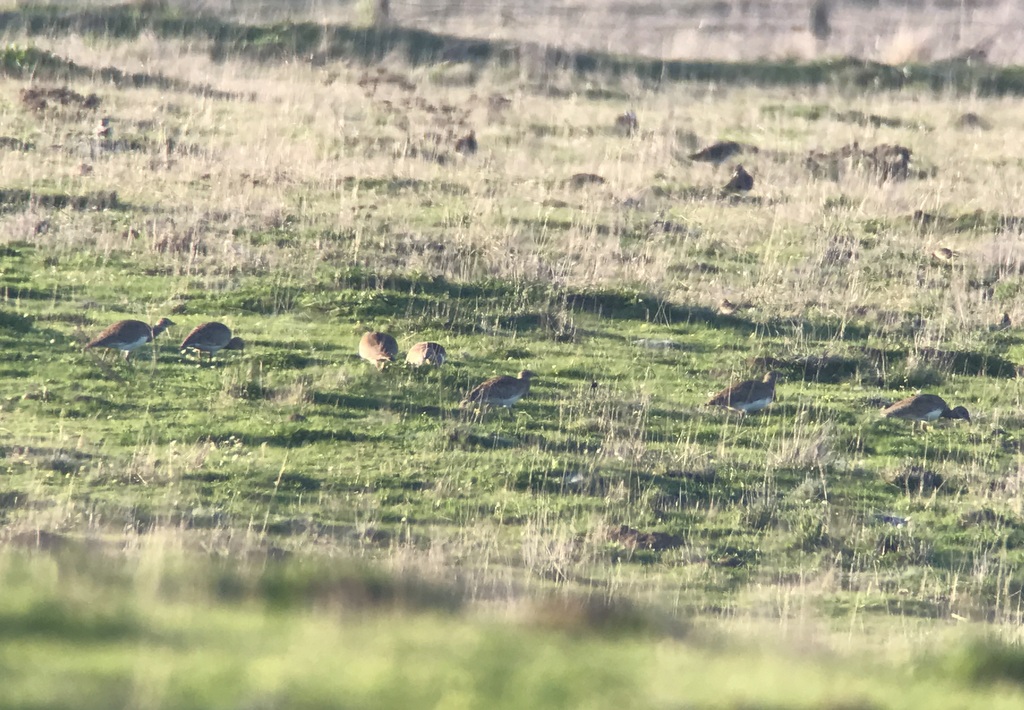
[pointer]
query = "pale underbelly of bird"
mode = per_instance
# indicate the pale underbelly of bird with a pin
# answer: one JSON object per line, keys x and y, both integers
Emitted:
{"x": 756, "y": 406}
{"x": 133, "y": 344}
{"x": 504, "y": 401}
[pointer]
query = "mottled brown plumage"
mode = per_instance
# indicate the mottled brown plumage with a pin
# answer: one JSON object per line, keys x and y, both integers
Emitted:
{"x": 973, "y": 120}
{"x": 627, "y": 122}
{"x": 467, "y": 145}
{"x": 426, "y": 353}
{"x": 584, "y": 179}
{"x": 728, "y": 308}
{"x": 102, "y": 129}
{"x": 924, "y": 408}
{"x": 378, "y": 348}
{"x": 127, "y": 335}
{"x": 741, "y": 181}
{"x": 720, "y": 152}
{"x": 502, "y": 391}
{"x": 748, "y": 396}
{"x": 211, "y": 338}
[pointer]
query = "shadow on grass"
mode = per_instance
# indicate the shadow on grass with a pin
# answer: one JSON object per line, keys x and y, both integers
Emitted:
{"x": 345, "y": 403}
{"x": 42, "y": 65}
{"x": 50, "y": 619}
{"x": 415, "y": 292}
{"x": 15, "y": 322}
{"x": 297, "y": 437}
{"x": 16, "y": 198}
{"x": 890, "y": 367}
{"x": 966, "y": 221}
{"x": 320, "y": 42}
{"x": 398, "y": 185}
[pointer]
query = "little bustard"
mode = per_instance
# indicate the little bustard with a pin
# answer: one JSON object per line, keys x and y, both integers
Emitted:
{"x": 748, "y": 396}
{"x": 211, "y": 338}
{"x": 426, "y": 353}
{"x": 127, "y": 335}
{"x": 741, "y": 181}
{"x": 467, "y": 145}
{"x": 627, "y": 123}
{"x": 720, "y": 152}
{"x": 924, "y": 408}
{"x": 378, "y": 348}
{"x": 501, "y": 391}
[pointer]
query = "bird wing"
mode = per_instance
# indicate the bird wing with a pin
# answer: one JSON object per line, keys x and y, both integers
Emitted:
{"x": 191, "y": 337}
{"x": 915, "y": 406}
{"x": 481, "y": 391}
{"x": 737, "y": 393}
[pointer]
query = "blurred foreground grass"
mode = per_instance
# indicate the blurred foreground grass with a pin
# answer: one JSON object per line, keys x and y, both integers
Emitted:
{"x": 85, "y": 628}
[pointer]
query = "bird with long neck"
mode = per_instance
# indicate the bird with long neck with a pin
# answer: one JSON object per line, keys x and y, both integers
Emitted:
{"x": 127, "y": 335}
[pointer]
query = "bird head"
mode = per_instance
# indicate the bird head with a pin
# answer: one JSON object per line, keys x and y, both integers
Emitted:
{"x": 960, "y": 413}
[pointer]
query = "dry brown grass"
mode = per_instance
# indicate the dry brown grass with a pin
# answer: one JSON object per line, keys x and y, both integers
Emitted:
{"x": 318, "y": 154}
{"x": 295, "y": 154}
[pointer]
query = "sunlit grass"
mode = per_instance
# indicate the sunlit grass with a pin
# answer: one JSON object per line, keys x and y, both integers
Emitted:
{"x": 303, "y": 205}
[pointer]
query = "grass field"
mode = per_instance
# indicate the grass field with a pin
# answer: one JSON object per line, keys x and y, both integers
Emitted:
{"x": 288, "y": 527}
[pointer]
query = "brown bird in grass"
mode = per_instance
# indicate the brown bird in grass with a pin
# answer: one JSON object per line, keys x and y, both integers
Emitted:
{"x": 728, "y": 308}
{"x": 378, "y": 348}
{"x": 211, "y": 338}
{"x": 427, "y": 353}
{"x": 821, "y": 12}
{"x": 741, "y": 181}
{"x": 720, "y": 152}
{"x": 127, "y": 335}
{"x": 502, "y": 391}
{"x": 584, "y": 179}
{"x": 627, "y": 122}
{"x": 748, "y": 396}
{"x": 945, "y": 254}
{"x": 973, "y": 120}
{"x": 102, "y": 128}
{"x": 467, "y": 145}
{"x": 1005, "y": 322}
{"x": 924, "y": 408}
